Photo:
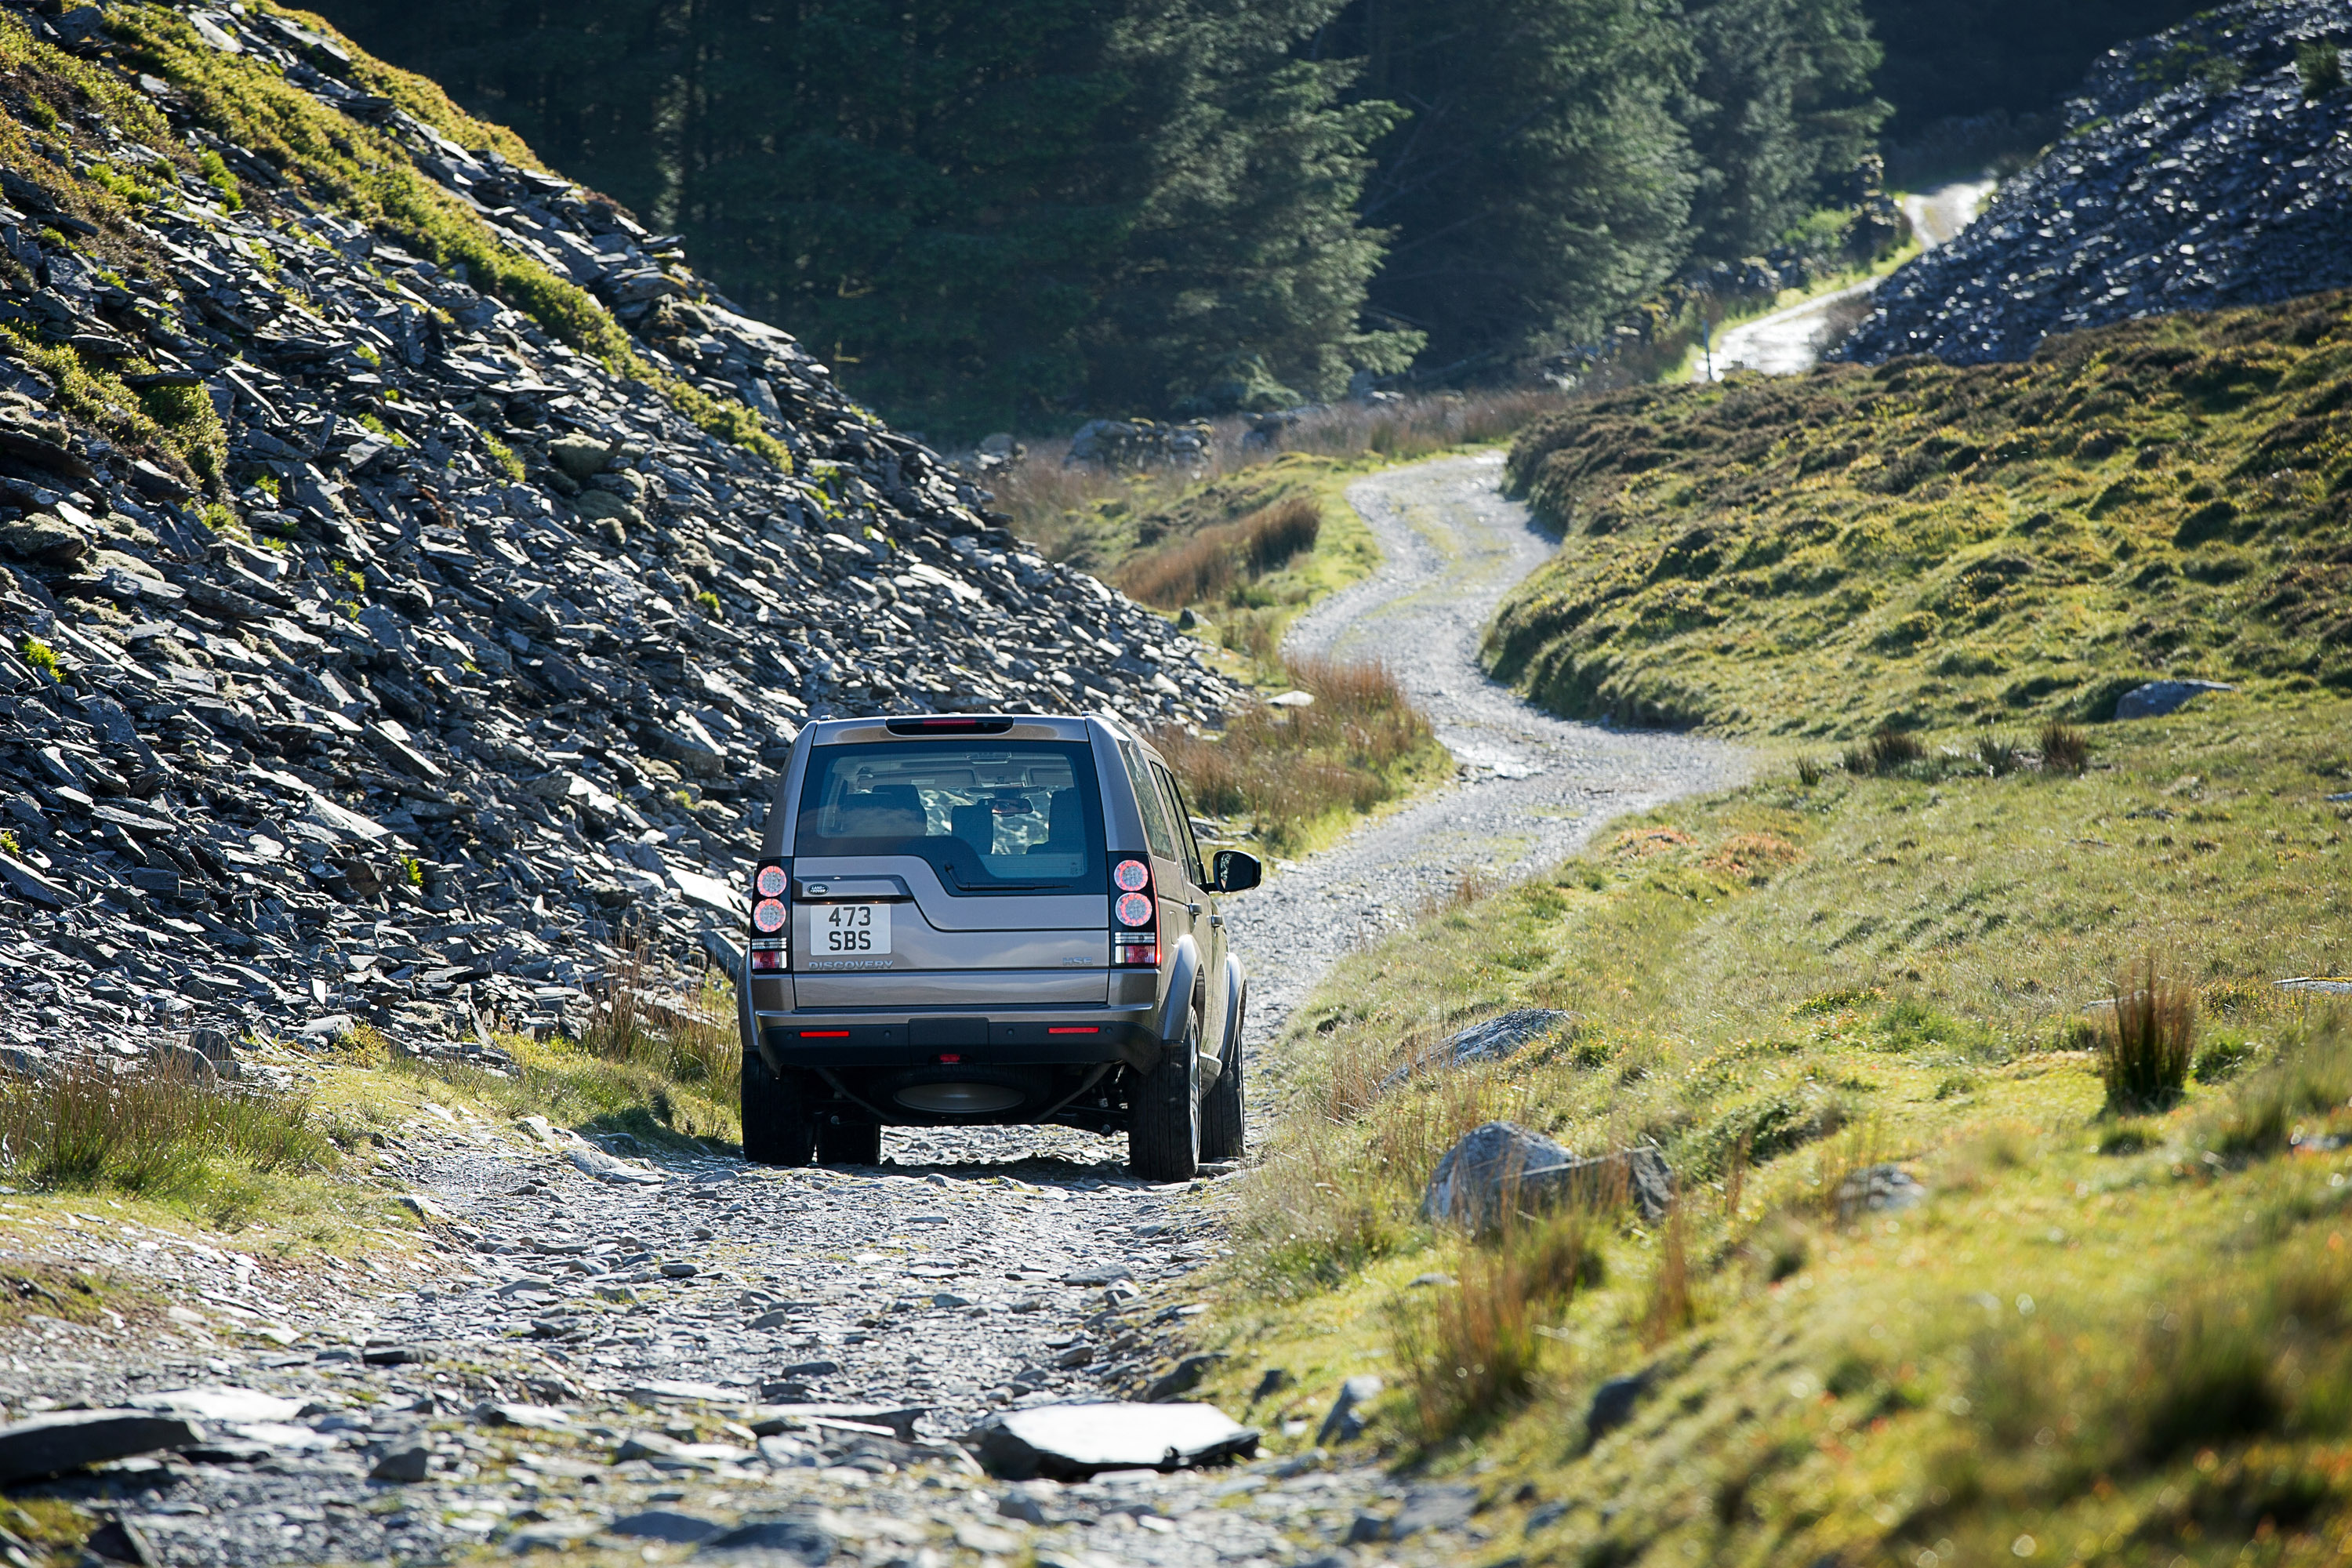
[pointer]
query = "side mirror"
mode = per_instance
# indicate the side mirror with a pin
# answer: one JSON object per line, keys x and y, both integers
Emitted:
{"x": 1235, "y": 872}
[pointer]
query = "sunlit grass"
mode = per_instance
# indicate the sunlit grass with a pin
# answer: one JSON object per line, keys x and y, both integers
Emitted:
{"x": 2099, "y": 1338}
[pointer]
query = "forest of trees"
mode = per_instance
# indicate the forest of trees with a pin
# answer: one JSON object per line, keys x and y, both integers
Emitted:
{"x": 1005, "y": 215}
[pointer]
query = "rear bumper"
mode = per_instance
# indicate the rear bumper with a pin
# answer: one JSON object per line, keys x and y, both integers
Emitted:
{"x": 1029, "y": 1037}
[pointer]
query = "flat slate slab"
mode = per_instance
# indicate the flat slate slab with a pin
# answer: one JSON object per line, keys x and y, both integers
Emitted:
{"x": 1071, "y": 1442}
{"x": 72, "y": 1439}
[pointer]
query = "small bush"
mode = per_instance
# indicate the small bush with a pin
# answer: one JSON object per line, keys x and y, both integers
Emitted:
{"x": 1999, "y": 753}
{"x": 1286, "y": 767}
{"x": 43, "y": 658}
{"x": 2319, "y": 65}
{"x": 1889, "y": 750}
{"x": 1214, "y": 564}
{"x": 1809, "y": 772}
{"x": 2145, "y": 1051}
{"x": 2065, "y": 749}
{"x": 2128, "y": 1138}
{"x": 2222, "y": 1057}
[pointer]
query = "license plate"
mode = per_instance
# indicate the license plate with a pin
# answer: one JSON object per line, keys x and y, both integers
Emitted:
{"x": 851, "y": 930}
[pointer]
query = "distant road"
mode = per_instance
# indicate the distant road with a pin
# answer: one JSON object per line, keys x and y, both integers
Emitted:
{"x": 1790, "y": 340}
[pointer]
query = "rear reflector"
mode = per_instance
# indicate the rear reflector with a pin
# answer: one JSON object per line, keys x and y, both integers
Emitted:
{"x": 1085, "y": 1029}
{"x": 825, "y": 1034}
{"x": 949, "y": 1062}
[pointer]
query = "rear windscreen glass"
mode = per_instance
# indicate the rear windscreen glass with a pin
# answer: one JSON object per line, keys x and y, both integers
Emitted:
{"x": 1007, "y": 816}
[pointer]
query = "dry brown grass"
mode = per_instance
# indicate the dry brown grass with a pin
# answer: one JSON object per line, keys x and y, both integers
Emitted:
{"x": 1210, "y": 566}
{"x": 2148, "y": 1040}
{"x": 1043, "y": 497}
{"x": 1287, "y": 768}
{"x": 691, "y": 1041}
{"x": 2065, "y": 749}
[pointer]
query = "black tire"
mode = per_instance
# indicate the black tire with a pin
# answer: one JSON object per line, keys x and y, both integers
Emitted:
{"x": 848, "y": 1142}
{"x": 1163, "y": 1143}
{"x": 776, "y": 1128}
{"x": 1223, "y": 1135}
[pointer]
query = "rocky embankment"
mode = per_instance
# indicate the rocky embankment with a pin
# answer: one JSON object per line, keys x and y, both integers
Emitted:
{"x": 406, "y": 638}
{"x": 2205, "y": 166}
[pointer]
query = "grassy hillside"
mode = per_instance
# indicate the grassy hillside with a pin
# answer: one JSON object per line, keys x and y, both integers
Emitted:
{"x": 1920, "y": 546}
{"x": 2112, "y": 1331}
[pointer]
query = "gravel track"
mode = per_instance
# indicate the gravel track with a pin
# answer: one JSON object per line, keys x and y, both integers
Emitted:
{"x": 965, "y": 1277}
{"x": 1529, "y": 788}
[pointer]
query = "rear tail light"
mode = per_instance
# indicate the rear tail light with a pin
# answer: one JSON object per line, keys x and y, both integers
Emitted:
{"x": 771, "y": 918}
{"x": 1134, "y": 916}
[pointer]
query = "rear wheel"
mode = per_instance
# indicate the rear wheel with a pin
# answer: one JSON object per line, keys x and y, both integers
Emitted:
{"x": 1164, "y": 1142}
{"x": 846, "y": 1142}
{"x": 776, "y": 1128}
{"x": 1222, "y": 1136}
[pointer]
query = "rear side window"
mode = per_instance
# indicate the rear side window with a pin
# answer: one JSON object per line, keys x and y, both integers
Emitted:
{"x": 1149, "y": 801}
{"x": 1001, "y": 817}
{"x": 1188, "y": 849}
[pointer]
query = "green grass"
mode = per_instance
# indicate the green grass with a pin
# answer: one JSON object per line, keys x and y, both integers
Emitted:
{"x": 1922, "y": 546}
{"x": 2121, "y": 1336}
{"x": 1302, "y": 776}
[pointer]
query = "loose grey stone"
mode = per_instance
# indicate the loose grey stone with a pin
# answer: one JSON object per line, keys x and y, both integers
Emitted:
{"x": 1344, "y": 1423}
{"x": 666, "y": 1525}
{"x": 2159, "y": 698}
{"x": 1067, "y": 1442}
{"x": 1498, "y": 1166}
{"x": 70, "y": 1441}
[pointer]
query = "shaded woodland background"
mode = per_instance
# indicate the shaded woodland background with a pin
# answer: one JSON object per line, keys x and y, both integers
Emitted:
{"x": 1012, "y": 214}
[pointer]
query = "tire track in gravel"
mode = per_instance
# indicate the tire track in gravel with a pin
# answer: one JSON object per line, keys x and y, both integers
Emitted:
{"x": 1530, "y": 788}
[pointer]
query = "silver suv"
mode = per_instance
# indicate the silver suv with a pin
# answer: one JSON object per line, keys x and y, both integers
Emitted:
{"x": 962, "y": 918}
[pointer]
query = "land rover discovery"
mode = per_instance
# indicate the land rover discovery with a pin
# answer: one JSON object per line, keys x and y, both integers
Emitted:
{"x": 968, "y": 919}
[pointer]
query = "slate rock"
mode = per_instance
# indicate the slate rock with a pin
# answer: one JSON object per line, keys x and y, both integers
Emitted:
{"x": 801, "y": 1538}
{"x": 1499, "y": 1166}
{"x": 1612, "y": 1404}
{"x": 1489, "y": 1040}
{"x": 1100, "y": 1274}
{"x": 1071, "y": 1442}
{"x": 73, "y": 1440}
{"x": 1344, "y": 1423}
{"x": 666, "y": 1525}
{"x": 2159, "y": 698}
{"x": 1434, "y": 1507}
{"x": 405, "y": 1463}
{"x": 1878, "y": 1189}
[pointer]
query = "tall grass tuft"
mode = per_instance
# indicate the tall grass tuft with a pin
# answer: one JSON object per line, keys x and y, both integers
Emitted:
{"x": 1999, "y": 753}
{"x": 1211, "y": 565}
{"x": 695, "y": 1042}
{"x": 1889, "y": 750}
{"x": 156, "y": 1131}
{"x": 1286, "y": 768}
{"x": 2149, "y": 1043}
{"x": 1671, "y": 1307}
{"x": 1472, "y": 1351}
{"x": 2065, "y": 749}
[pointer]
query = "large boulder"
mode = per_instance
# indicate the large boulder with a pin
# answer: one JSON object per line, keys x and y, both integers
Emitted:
{"x": 1502, "y": 1167}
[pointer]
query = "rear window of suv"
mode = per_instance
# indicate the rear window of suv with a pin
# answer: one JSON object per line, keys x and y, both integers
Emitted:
{"x": 1001, "y": 817}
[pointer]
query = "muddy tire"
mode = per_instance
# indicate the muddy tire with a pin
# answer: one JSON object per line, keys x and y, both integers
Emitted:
{"x": 776, "y": 1129}
{"x": 1164, "y": 1142}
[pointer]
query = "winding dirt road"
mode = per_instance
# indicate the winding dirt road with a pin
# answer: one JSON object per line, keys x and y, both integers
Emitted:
{"x": 1530, "y": 788}
{"x": 1791, "y": 340}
